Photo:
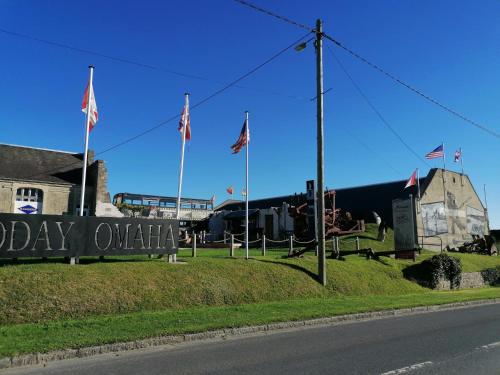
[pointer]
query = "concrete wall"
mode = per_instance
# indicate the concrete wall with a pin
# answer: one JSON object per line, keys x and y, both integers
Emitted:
{"x": 450, "y": 210}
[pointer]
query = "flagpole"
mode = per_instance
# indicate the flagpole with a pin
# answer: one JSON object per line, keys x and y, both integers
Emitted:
{"x": 246, "y": 188}
{"x": 462, "y": 165}
{"x": 185, "y": 120}
{"x": 418, "y": 185}
{"x": 85, "y": 154}
{"x": 444, "y": 171}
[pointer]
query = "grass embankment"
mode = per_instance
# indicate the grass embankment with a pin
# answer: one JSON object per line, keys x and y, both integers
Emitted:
{"x": 49, "y": 305}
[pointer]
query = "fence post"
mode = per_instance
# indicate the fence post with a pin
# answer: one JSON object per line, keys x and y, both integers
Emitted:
{"x": 194, "y": 245}
{"x": 263, "y": 245}
{"x": 290, "y": 245}
{"x": 334, "y": 247}
{"x": 225, "y": 238}
{"x": 231, "y": 249}
{"x": 357, "y": 243}
{"x": 337, "y": 244}
{"x": 204, "y": 237}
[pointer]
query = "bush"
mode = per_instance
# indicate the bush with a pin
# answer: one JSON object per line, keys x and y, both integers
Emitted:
{"x": 443, "y": 266}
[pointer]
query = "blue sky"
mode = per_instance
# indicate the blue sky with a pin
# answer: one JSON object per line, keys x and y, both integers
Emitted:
{"x": 448, "y": 49}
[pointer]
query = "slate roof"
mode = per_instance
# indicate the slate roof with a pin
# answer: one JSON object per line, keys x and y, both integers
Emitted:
{"x": 35, "y": 164}
{"x": 360, "y": 200}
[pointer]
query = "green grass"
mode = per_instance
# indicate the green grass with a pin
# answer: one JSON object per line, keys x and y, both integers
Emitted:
{"x": 44, "y": 337}
{"x": 50, "y": 305}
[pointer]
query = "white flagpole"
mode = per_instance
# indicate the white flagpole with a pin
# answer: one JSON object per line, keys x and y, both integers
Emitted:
{"x": 246, "y": 189}
{"x": 461, "y": 165}
{"x": 418, "y": 184}
{"x": 85, "y": 154}
{"x": 185, "y": 120}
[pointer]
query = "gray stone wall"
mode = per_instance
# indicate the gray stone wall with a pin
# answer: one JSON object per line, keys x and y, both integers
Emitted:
{"x": 474, "y": 279}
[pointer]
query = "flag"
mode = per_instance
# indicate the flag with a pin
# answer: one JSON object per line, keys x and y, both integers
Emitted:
{"x": 244, "y": 192}
{"x": 93, "y": 117}
{"x": 412, "y": 181}
{"x": 230, "y": 190}
{"x": 458, "y": 156}
{"x": 243, "y": 139}
{"x": 185, "y": 122}
{"x": 212, "y": 200}
{"x": 438, "y": 152}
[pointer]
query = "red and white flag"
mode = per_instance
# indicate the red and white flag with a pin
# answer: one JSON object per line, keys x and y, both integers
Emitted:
{"x": 412, "y": 181}
{"x": 230, "y": 190}
{"x": 243, "y": 139}
{"x": 185, "y": 122}
{"x": 458, "y": 156}
{"x": 89, "y": 103}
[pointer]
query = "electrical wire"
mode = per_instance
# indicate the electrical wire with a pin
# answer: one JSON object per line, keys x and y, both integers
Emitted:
{"x": 194, "y": 106}
{"x": 375, "y": 110}
{"x": 137, "y": 63}
{"x": 376, "y": 67}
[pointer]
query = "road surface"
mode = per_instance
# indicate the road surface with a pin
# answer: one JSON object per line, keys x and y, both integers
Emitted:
{"x": 464, "y": 341}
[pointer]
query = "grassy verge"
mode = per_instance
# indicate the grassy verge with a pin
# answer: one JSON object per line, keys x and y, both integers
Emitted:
{"x": 44, "y": 337}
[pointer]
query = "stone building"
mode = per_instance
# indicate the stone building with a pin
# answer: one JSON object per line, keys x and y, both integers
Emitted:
{"x": 41, "y": 181}
{"x": 449, "y": 212}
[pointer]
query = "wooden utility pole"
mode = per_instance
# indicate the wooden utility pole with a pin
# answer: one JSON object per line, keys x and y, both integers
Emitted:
{"x": 320, "y": 157}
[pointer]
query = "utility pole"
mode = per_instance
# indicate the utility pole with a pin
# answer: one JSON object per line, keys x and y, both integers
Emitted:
{"x": 320, "y": 157}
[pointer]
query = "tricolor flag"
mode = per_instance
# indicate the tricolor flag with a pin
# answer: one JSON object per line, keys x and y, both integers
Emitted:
{"x": 458, "y": 156}
{"x": 243, "y": 139}
{"x": 412, "y": 181}
{"x": 89, "y": 102}
{"x": 438, "y": 152}
{"x": 185, "y": 122}
{"x": 230, "y": 190}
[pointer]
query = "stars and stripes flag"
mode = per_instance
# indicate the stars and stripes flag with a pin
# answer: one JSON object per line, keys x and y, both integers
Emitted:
{"x": 184, "y": 122}
{"x": 438, "y": 152}
{"x": 90, "y": 103}
{"x": 412, "y": 181}
{"x": 243, "y": 139}
{"x": 458, "y": 156}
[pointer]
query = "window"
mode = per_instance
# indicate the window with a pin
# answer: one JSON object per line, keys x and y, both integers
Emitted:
{"x": 29, "y": 195}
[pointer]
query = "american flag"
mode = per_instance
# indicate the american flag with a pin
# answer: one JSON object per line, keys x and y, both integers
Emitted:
{"x": 243, "y": 139}
{"x": 438, "y": 152}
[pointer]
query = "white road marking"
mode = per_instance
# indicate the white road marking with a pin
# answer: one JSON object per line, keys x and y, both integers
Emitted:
{"x": 489, "y": 346}
{"x": 404, "y": 370}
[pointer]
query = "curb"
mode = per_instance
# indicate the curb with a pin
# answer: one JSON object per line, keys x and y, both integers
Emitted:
{"x": 42, "y": 358}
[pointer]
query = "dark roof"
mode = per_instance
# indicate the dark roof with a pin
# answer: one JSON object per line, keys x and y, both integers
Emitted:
{"x": 239, "y": 214}
{"x": 35, "y": 164}
{"x": 360, "y": 200}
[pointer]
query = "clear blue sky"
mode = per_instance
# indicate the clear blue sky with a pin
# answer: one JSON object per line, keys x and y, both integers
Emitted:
{"x": 448, "y": 49}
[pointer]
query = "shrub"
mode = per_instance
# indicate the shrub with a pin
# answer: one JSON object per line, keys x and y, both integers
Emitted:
{"x": 443, "y": 266}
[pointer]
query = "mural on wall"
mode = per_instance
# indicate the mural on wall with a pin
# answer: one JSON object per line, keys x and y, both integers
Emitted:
{"x": 434, "y": 219}
{"x": 475, "y": 221}
{"x": 456, "y": 213}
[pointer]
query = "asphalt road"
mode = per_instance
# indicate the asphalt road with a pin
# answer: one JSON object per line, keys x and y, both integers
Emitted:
{"x": 464, "y": 341}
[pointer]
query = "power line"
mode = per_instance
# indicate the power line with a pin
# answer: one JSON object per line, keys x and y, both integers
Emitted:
{"x": 275, "y": 15}
{"x": 378, "y": 68}
{"x": 197, "y": 104}
{"x": 136, "y": 63}
{"x": 413, "y": 89}
{"x": 374, "y": 109}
